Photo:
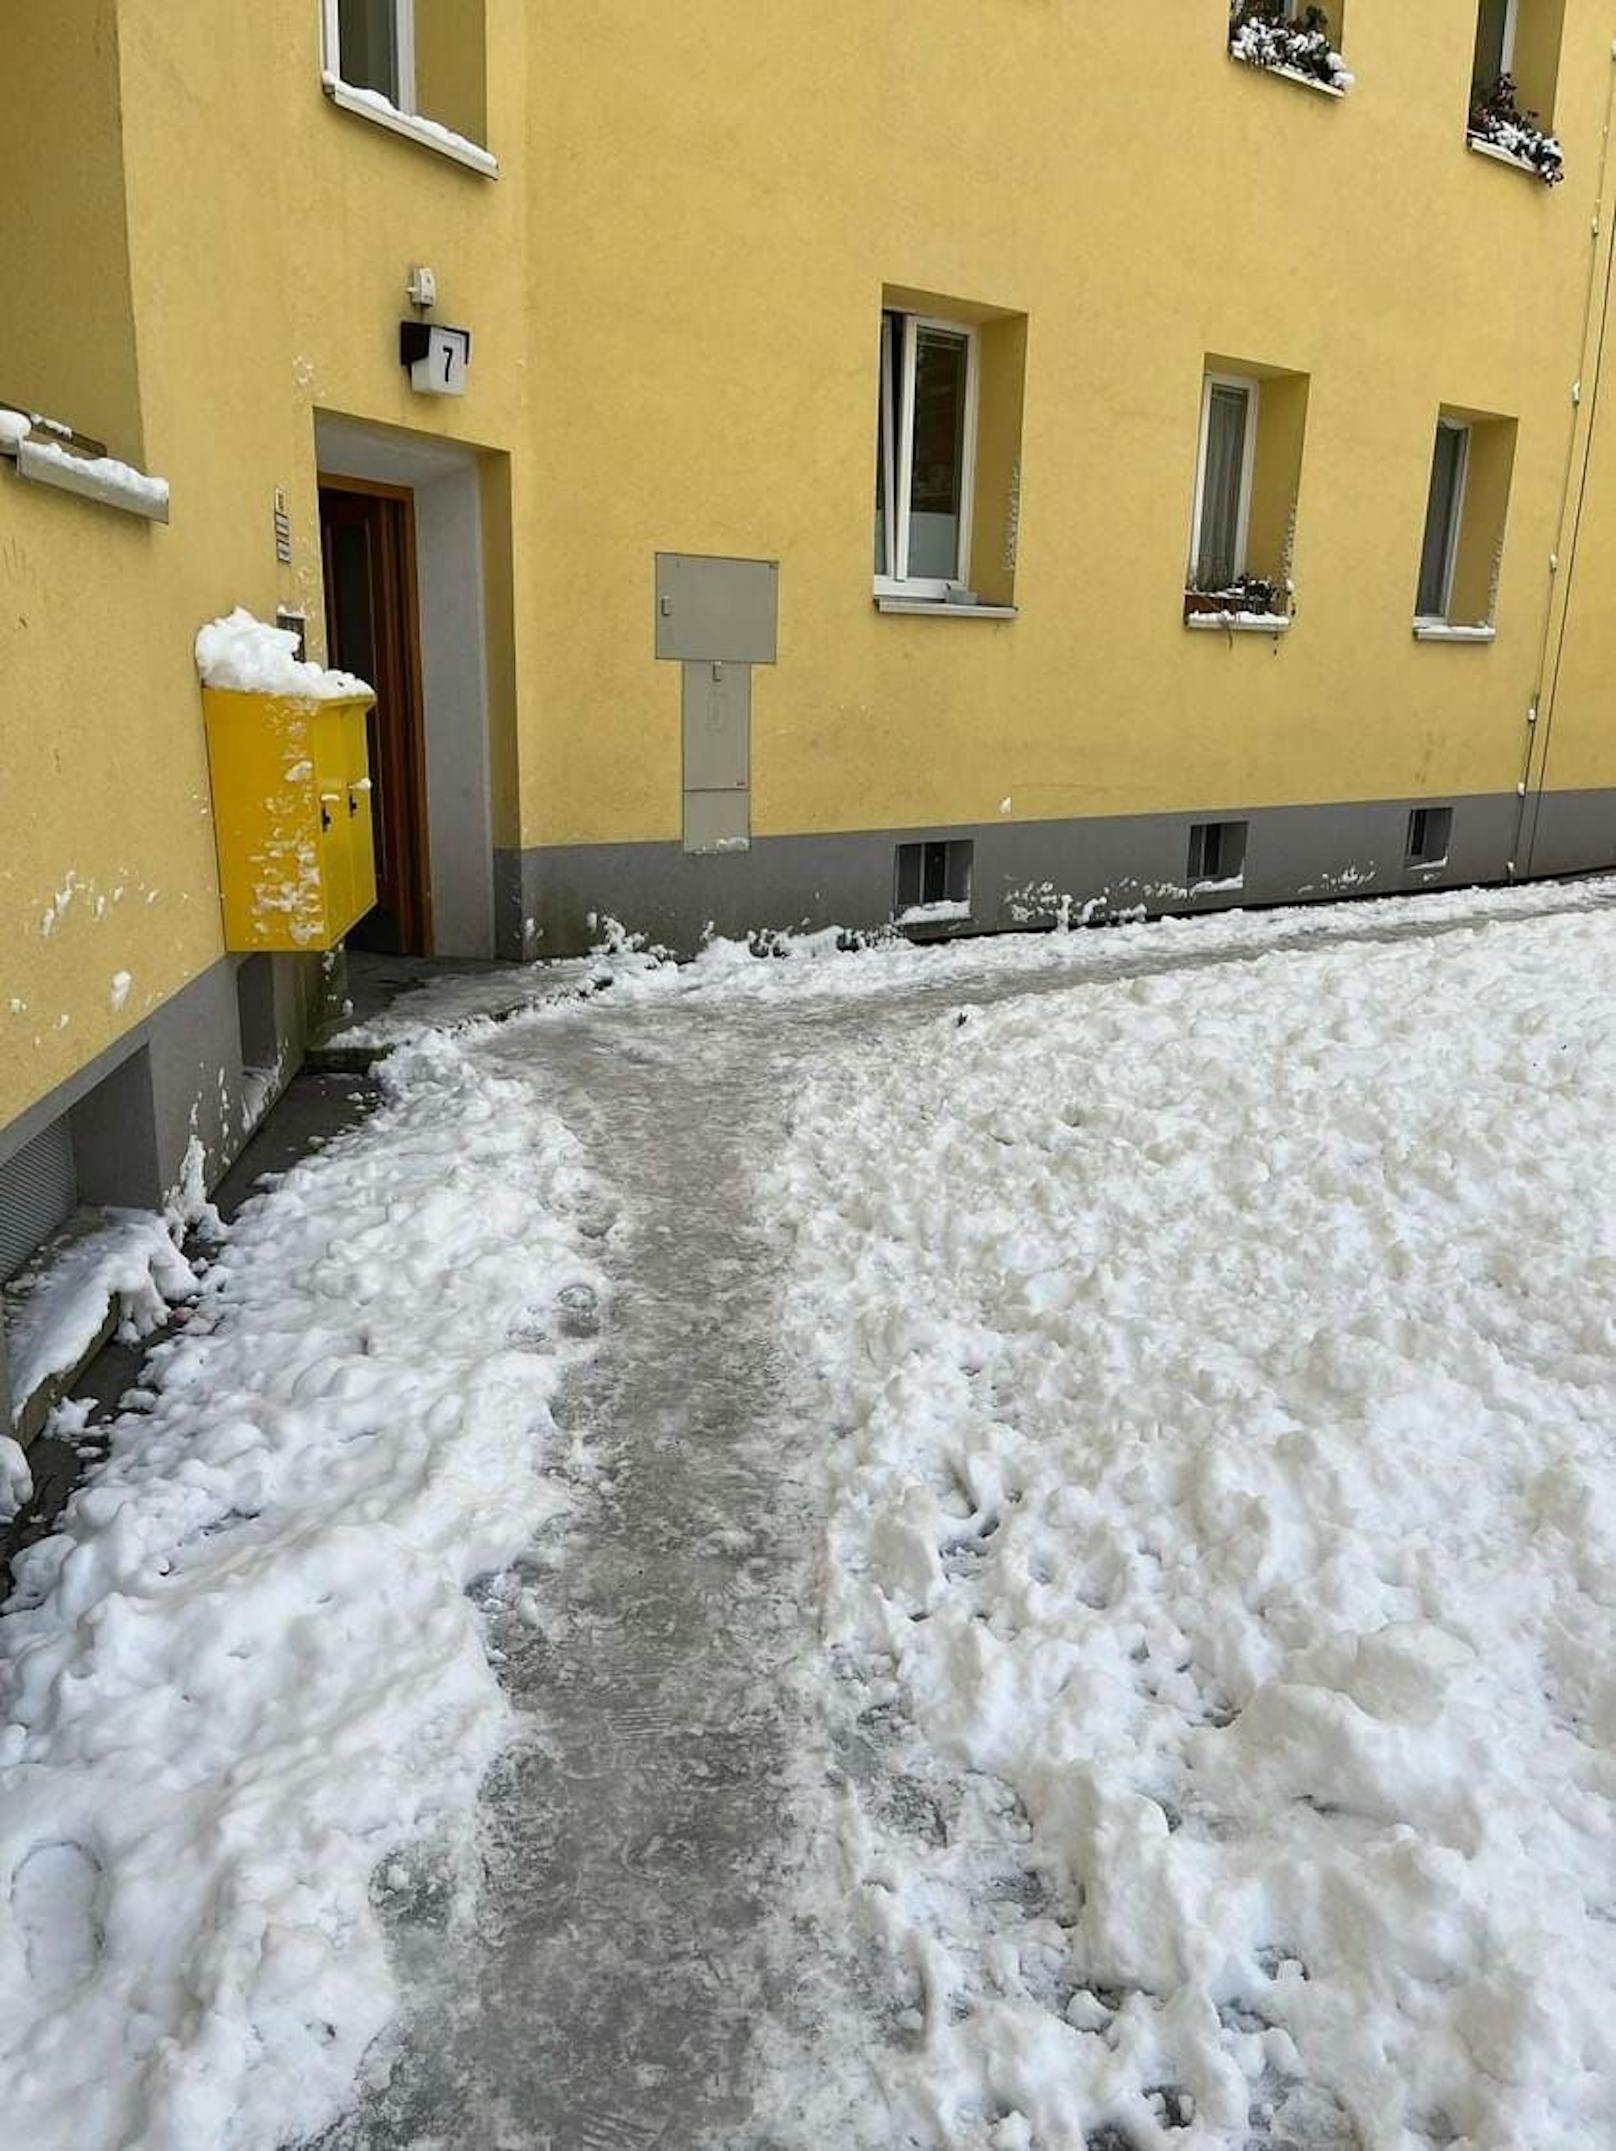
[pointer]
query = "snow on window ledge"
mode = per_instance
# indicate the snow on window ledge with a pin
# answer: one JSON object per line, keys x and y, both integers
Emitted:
{"x": 1311, "y": 82}
{"x": 1287, "y": 48}
{"x": 1427, "y": 630}
{"x": 372, "y": 105}
{"x": 1239, "y": 623}
{"x": 99, "y": 478}
{"x": 947, "y": 911}
{"x": 1500, "y": 155}
{"x": 885, "y": 602}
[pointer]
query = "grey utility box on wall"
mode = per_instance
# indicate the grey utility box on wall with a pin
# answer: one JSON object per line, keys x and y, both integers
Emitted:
{"x": 717, "y": 727}
{"x": 720, "y": 610}
{"x": 716, "y": 619}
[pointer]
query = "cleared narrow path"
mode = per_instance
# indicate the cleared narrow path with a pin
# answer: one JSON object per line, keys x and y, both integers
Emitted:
{"x": 605, "y": 1996}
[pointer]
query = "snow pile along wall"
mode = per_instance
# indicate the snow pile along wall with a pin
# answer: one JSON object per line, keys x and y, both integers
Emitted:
{"x": 245, "y": 1667}
{"x": 1222, "y": 1550}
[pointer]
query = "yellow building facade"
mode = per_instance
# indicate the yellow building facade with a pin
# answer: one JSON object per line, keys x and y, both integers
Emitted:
{"x": 986, "y": 464}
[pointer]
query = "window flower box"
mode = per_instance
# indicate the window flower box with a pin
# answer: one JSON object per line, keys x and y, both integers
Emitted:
{"x": 1249, "y": 598}
{"x": 1497, "y": 123}
{"x": 1284, "y": 40}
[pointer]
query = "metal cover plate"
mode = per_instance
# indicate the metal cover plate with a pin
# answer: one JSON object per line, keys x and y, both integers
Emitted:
{"x": 717, "y": 726}
{"x": 718, "y": 821}
{"x": 716, "y": 609}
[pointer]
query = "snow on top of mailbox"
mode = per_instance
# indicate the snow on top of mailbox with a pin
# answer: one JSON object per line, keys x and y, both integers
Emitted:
{"x": 246, "y": 656}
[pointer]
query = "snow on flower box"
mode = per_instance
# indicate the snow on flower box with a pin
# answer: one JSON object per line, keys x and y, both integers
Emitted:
{"x": 1297, "y": 43}
{"x": 1249, "y": 605}
{"x": 289, "y": 763}
{"x": 1499, "y": 128}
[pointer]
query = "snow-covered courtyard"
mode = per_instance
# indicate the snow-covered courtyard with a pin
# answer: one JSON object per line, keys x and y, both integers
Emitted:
{"x": 1010, "y": 1546}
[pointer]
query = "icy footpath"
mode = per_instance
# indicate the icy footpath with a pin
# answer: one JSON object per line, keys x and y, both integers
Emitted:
{"x": 1221, "y": 1564}
{"x": 245, "y": 1666}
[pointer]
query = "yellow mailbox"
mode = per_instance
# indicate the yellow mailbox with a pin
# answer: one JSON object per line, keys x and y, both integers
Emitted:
{"x": 291, "y": 817}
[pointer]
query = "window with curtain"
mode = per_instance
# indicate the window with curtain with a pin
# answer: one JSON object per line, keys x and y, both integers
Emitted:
{"x": 1228, "y": 418}
{"x": 1442, "y": 509}
{"x": 1495, "y": 44}
{"x": 924, "y": 446}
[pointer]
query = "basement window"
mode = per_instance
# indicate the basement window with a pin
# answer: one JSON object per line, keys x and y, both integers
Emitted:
{"x": 1466, "y": 507}
{"x": 1430, "y": 830}
{"x": 1217, "y": 857}
{"x": 933, "y": 882}
{"x": 415, "y": 67}
{"x": 38, "y": 1192}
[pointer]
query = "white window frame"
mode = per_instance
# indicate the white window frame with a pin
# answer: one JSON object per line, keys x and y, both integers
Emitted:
{"x": 404, "y": 43}
{"x": 1507, "y": 52}
{"x": 401, "y": 118}
{"x": 1248, "y": 465}
{"x": 1450, "y": 559}
{"x": 897, "y": 471}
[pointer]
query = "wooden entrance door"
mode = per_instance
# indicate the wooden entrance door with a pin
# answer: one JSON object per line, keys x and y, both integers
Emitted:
{"x": 367, "y": 540}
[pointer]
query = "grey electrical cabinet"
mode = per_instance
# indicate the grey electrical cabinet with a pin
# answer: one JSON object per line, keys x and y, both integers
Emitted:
{"x": 716, "y": 619}
{"x": 717, "y": 727}
{"x": 716, "y": 704}
{"x": 715, "y": 610}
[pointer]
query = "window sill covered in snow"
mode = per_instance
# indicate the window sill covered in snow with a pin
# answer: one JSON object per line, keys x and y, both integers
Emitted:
{"x": 945, "y": 912}
{"x": 1240, "y": 623}
{"x": 372, "y": 105}
{"x": 1428, "y": 630}
{"x": 1501, "y": 130}
{"x": 48, "y": 461}
{"x": 1550, "y": 174}
{"x": 1258, "y": 38}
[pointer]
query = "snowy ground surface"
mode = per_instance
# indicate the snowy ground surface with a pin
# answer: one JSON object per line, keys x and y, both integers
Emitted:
{"x": 1042, "y": 1544}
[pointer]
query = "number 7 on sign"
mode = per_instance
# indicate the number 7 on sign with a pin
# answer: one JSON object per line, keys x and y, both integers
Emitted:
{"x": 440, "y": 369}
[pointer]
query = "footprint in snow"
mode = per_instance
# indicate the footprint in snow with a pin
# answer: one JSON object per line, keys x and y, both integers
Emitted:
{"x": 56, "y": 1899}
{"x": 580, "y": 1310}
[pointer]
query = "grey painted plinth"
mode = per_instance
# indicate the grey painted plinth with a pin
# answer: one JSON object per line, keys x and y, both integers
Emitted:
{"x": 554, "y": 900}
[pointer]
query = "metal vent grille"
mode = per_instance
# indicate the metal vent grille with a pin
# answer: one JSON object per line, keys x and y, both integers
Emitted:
{"x": 38, "y": 1192}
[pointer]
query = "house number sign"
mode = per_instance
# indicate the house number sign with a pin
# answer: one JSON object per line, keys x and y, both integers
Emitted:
{"x": 438, "y": 358}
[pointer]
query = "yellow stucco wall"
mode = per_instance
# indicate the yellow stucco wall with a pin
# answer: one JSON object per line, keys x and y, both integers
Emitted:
{"x": 718, "y": 368}
{"x": 675, "y": 289}
{"x": 269, "y": 238}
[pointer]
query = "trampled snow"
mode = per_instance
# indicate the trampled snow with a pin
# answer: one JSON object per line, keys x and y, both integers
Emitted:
{"x": 1220, "y": 1375}
{"x": 830, "y": 964}
{"x": 245, "y": 1666}
{"x": 1200, "y": 1337}
{"x": 246, "y": 656}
